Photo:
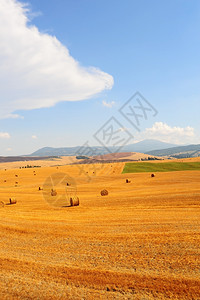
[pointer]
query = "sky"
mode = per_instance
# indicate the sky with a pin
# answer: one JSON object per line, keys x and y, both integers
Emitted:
{"x": 73, "y": 71}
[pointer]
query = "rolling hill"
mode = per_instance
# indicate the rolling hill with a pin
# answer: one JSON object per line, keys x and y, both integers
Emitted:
{"x": 178, "y": 152}
{"x": 142, "y": 147}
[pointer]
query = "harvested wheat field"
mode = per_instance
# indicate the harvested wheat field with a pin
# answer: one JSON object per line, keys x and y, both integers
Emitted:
{"x": 141, "y": 241}
{"x": 48, "y": 162}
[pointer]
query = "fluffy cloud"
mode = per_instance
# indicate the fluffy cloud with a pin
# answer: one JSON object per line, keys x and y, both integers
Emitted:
{"x": 4, "y": 135}
{"x": 166, "y": 133}
{"x": 34, "y": 137}
{"x": 36, "y": 69}
{"x": 161, "y": 128}
{"x": 108, "y": 104}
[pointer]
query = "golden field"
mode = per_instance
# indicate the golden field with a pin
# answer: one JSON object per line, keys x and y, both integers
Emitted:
{"x": 139, "y": 242}
{"x": 63, "y": 160}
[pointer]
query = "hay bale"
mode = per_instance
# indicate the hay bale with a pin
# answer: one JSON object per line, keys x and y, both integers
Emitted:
{"x": 1, "y": 204}
{"x": 68, "y": 184}
{"x": 4, "y": 180}
{"x": 40, "y": 189}
{"x": 74, "y": 201}
{"x": 128, "y": 181}
{"x": 16, "y": 175}
{"x": 153, "y": 175}
{"x": 104, "y": 193}
{"x": 12, "y": 201}
{"x": 53, "y": 192}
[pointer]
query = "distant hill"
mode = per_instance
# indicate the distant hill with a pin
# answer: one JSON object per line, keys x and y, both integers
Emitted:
{"x": 69, "y": 151}
{"x": 142, "y": 147}
{"x": 178, "y": 152}
{"x": 118, "y": 157}
{"x": 4, "y": 159}
{"x": 147, "y": 145}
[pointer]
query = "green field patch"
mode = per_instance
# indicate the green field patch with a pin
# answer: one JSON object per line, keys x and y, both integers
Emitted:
{"x": 160, "y": 167}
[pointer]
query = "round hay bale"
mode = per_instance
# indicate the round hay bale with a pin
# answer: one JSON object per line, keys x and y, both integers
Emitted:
{"x": 153, "y": 175}
{"x": 1, "y": 204}
{"x": 104, "y": 193}
{"x": 128, "y": 181}
{"x": 74, "y": 201}
{"x": 12, "y": 201}
{"x": 53, "y": 192}
{"x": 40, "y": 189}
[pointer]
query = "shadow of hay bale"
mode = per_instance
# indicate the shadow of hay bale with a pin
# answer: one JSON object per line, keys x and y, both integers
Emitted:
{"x": 11, "y": 201}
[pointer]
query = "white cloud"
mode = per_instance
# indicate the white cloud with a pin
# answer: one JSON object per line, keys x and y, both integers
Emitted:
{"x": 167, "y": 133}
{"x": 12, "y": 116}
{"x": 122, "y": 129}
{"x": 4, "y": 135}
{"x": 34, "y": 137}
{"x": 164, "y": 129}
{"x": 36, "y": 69}
{"x": 108, "y": 104}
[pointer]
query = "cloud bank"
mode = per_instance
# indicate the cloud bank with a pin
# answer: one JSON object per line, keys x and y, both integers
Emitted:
{"x": 36, "y": 69}
{"x": 4, "y": 135}
{"x": 167, "y": 133}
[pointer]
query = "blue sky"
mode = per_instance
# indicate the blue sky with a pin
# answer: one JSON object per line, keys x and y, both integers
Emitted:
{"x": 71, "y": 67}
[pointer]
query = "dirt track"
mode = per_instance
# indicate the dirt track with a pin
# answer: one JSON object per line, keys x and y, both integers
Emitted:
{"x": 139, "y": 242}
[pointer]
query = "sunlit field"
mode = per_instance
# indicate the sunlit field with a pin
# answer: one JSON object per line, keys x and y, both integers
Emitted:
{"x": 141, "y": 241}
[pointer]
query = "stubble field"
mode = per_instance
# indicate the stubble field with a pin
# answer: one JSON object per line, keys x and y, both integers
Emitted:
{"x": 139, "y": 242}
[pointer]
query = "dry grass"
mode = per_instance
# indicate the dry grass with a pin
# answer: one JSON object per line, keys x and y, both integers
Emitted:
{"x": 43, "y": 163}
{"x": 141, "y": 243}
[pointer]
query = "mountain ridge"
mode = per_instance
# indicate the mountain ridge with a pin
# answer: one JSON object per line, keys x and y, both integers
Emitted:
{"x": 178, "y": 152}
{"x": 142, "y": 147}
